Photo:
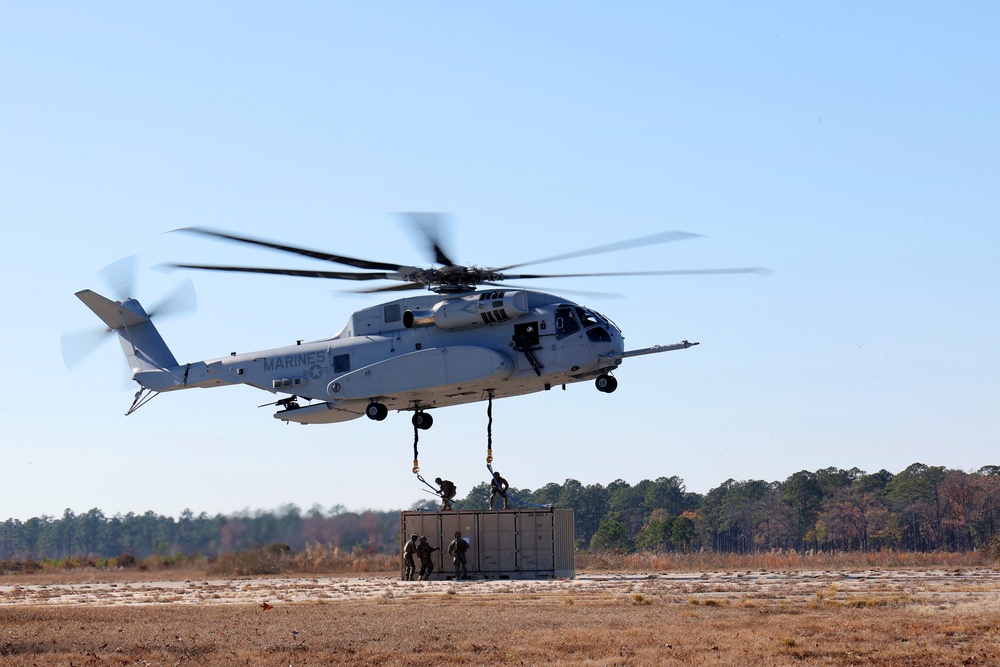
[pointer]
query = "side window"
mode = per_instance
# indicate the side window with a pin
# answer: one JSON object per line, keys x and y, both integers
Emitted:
{"x": 341, "y": 363}
{"x": 567, "y": 322}
{"x": 598, "y": 335}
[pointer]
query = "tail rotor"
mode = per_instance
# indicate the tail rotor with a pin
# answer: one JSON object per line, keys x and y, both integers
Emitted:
{"x": 119, "y": 276}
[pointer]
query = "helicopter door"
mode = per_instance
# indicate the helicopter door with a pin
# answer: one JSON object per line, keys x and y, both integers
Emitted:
{"x": 572, "y": 348}
{"x": 567, "y": 322}
{"x": 525, "y": 342}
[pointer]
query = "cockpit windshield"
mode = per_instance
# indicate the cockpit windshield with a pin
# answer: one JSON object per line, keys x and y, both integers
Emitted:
{"x": 589, "y": 317}
{"x": 570, "y": 319}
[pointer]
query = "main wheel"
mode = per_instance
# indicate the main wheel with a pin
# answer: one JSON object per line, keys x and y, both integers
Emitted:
{"x": 422, "y": 420}
{"x": 376, "y": 411}
{"x": 606, "y": 383}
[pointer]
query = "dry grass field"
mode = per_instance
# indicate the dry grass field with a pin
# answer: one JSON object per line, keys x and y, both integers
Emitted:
{"x": 903, "y": 616}
{"x": 775, "y": 608}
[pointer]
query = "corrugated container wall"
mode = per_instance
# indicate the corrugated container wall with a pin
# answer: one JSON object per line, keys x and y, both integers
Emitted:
{"x": 503, "y": 544}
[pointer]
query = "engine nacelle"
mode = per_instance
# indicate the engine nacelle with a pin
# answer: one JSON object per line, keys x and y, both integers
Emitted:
{"x": 471, "y": 310}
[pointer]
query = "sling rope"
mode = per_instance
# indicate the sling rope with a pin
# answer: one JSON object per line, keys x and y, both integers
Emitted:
{"x": 489, "y": 432}
{"x": 489, "y": 458}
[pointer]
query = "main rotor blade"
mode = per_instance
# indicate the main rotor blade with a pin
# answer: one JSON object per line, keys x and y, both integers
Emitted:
{"x": 429, "y": 225}
{"x": 305, "y": 252}
{"x": 676, "y": 272}
{"x": 663, "y": 237}
{"x": 302, "y": 273}
{"x": 402, "y": 287}
{"x": 587, "y": 293}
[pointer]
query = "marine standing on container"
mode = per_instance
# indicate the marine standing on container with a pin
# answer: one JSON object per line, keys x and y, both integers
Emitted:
{"x": 424, "y": 552}
{"x": 499, "y": 486}
{"x": 409, "y": 549}
{"x": 447, "y": 491}
{"x": 457, "y": 550}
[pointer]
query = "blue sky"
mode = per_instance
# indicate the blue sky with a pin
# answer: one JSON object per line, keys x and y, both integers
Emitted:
{"x": 851, "y": 148}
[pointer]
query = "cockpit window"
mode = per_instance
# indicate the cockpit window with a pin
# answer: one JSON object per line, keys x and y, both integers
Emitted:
{"x": 567, "y": 322}
{"x": 589, "y": 317}
{"x": 598, "y": 335}
{"x": 570, "y": 319}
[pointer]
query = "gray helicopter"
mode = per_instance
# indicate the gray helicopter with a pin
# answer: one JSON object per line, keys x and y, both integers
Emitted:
{"x": 458, "y": 344}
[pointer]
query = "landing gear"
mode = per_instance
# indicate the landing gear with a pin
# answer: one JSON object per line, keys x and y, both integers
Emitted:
{"x": 376, "y": 411}
{"x": 606, "y": 383}
{"x": 422, "y": 420}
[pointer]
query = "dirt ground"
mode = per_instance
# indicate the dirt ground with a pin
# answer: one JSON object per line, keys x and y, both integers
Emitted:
{"x": 870, "y": 617}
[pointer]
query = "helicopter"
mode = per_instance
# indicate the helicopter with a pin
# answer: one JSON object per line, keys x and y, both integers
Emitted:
{"x": 471, "y": 338}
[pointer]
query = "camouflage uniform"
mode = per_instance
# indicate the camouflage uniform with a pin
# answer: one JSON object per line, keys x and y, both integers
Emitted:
{"x": 424, "y": 552}
{"x": 408, "y": 551}
{"x": 447, "y": 491}
{"x": 457, "y": 550}
{"x": 499, "y": 486}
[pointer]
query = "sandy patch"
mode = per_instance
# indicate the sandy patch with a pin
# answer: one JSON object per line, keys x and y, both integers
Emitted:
{"x": 945, "y": 587}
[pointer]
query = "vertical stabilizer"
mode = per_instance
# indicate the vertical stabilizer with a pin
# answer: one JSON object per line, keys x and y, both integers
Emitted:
{"x": 144, "y": 348}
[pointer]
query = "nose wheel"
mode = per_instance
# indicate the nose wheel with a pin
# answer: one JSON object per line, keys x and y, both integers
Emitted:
{"x": 376, "y": 411}
{"x": 606, "y": 384}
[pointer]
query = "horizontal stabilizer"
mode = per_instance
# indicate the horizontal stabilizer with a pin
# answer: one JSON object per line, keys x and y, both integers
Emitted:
{"x": 143, "y": 346}
{"x": 115, "y": 314}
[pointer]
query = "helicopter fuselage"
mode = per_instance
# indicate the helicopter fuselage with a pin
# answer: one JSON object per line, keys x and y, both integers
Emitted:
{"x": 420, "y": 353}
{"x": 457, "y": 345}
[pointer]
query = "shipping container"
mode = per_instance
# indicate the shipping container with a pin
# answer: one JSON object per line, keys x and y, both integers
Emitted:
{"x": 503, "y": 544}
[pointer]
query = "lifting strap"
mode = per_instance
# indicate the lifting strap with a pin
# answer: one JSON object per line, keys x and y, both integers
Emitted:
{"x": 416, "y": 463}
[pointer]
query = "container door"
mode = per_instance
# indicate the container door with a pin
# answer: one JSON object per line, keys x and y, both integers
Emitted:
{"x": 497, "y": 546}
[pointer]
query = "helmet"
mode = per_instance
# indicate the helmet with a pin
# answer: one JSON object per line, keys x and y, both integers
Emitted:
{"x": 458, "y": 533}
{"x": 437, "y": 479}
{"x": 414, "y": 536}
{"x": 423, "y": 538}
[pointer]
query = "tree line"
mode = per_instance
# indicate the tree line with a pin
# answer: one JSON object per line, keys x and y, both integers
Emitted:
{"x": 922, "y": 508}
